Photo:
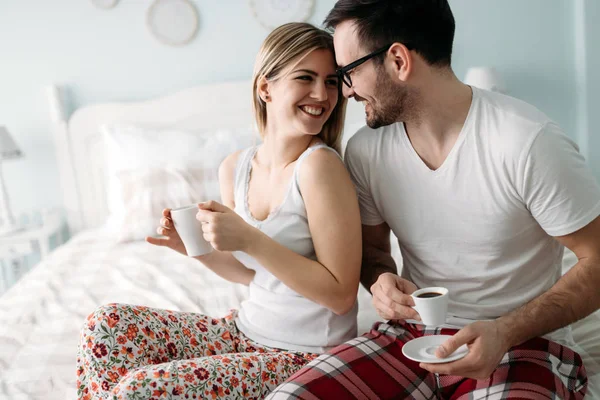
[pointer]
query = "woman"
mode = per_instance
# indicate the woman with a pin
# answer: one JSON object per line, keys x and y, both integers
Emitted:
{"x": 294, "y": 238}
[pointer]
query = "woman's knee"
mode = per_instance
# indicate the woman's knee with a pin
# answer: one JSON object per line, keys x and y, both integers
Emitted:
{"x": 104, "y": 319}
{"x": 102, "y": 313}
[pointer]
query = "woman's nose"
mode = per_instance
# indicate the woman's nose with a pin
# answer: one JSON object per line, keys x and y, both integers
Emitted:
{"x": 320, "y": 91}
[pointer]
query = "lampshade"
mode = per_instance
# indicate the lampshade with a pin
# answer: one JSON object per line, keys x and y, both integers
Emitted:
{"x": 56, "y": 100}
{"x": 485, "y": 78}
{"x": 8, "y": 147}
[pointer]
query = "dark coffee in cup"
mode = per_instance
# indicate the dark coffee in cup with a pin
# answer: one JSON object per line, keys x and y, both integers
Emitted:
{"x": 427, "y": 295}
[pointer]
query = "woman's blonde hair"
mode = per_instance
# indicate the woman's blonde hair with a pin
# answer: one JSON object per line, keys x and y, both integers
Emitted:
{"x": 288, "y": 44}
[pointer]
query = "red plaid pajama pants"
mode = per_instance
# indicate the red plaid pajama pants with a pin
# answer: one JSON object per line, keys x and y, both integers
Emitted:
{"x": 373, "y": 367}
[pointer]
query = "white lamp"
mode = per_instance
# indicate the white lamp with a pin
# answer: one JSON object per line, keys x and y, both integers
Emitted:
{"x": 485, "y": 78}
{"x": 8, "y": 150}
{"x": 56, "y": 95}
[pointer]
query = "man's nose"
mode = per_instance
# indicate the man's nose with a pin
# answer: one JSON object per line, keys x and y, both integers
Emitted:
{"x": 347, "y": 91}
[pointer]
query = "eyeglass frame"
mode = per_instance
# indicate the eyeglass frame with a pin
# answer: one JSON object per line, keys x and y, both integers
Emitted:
{"x": 342, "y": 72}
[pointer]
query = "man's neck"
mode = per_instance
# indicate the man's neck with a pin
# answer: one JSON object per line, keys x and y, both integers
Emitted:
{"x": 438, "y": 118}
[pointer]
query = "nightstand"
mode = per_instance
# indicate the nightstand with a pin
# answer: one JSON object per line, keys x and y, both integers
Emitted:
{"x": 22, "y": 249}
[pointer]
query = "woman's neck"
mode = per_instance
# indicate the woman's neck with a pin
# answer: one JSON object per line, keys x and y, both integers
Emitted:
{"x": 278, "y": 151}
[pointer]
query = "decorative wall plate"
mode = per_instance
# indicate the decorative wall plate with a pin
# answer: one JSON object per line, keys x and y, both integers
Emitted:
{"x": 173, "y": 22}
{"x": 105, "y": 3}
{"x": 272, "y": 13}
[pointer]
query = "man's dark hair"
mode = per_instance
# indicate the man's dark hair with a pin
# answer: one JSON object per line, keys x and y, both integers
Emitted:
{"x": 425, "y": 26}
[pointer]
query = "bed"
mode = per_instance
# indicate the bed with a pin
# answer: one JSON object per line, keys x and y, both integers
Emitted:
{"x": 41, "y": 315}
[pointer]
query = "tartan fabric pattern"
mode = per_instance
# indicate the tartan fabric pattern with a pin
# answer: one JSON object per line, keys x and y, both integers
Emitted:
{"x": 373, "y": 367}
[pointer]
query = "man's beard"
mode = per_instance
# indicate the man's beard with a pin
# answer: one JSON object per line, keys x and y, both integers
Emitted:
{"x": 393, "y": 102}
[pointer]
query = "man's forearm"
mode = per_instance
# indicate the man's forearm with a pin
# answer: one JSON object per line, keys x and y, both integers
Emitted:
{"x": 572, "y": 298}
{"x": 374, "y": 263}
{"x": 370, "y": 273}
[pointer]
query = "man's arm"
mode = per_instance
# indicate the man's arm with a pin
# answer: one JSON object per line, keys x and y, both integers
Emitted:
{"x": 377, "y": 257}
{"x": 563, "y": 196}
{"x": 377, "y": 254}
{"x": 572, "y": 298}
{"x": 379, "y": 275}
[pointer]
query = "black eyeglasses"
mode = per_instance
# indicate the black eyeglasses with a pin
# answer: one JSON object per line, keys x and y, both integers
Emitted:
{"x": 343, "y": 74}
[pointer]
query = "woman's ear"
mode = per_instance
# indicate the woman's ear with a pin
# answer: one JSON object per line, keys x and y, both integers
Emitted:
{"x": 402, "y": 60}
{"x": 263, "y": 89}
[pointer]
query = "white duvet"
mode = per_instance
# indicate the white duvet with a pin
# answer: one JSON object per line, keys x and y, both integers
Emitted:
{"x": 41, "y": 315}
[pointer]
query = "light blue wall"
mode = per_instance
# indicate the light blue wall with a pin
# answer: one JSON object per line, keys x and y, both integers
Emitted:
{"x": 103, "y": 55}
{"x": 591, "y": 13}
{"x": 106, "y": 55}
{"x": 530, "y": 44}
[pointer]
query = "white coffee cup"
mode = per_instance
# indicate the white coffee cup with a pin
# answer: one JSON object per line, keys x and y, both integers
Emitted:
{"x": 190, "y": 230}
{"x": 432, "y": 305}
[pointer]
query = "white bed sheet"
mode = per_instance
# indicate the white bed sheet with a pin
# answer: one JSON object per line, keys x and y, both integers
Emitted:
{"x": 41, "y": 315}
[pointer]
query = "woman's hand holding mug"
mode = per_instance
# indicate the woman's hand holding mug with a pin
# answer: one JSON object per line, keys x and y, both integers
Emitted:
{"x": 171, "y": 237}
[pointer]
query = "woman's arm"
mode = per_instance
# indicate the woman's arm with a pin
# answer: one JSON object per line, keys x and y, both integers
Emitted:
{"x": 227, "y": 267}
{"x": 221, "y": 263}
{"x": 224, "y": 263}
{"x": 334, "y": 222}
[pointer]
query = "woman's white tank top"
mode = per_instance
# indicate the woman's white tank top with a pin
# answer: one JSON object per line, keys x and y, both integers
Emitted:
{"x": 274, "y": 315}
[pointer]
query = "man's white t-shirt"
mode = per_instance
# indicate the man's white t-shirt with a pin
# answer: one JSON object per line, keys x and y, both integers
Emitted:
{"x": 482, "y": 224}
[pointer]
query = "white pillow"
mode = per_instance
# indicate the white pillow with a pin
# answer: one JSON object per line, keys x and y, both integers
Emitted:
{"x": 152, "y": 169}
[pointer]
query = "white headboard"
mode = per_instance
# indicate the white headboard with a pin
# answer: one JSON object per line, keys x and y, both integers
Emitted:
{"x": 80, "y": 150}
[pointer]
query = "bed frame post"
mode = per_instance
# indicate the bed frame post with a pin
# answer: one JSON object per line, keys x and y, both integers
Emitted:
{"x": 64, "y": 158}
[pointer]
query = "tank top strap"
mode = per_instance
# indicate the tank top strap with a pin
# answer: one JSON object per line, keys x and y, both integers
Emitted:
{"x": 241, "y": 175}
{"x": 308, "y": 152}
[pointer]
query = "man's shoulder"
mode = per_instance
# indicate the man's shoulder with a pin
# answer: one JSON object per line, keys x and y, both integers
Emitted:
{"x": 510, "y": 114}
{"x": 366, "y": 141}
{"x": 508, "y": 124}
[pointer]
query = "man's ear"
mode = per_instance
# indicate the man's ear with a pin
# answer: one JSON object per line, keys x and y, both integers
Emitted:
{"x": 263, "y": 89}
{"x": 402, "y": 61}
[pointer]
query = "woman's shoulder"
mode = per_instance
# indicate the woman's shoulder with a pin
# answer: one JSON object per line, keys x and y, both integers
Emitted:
{"x": 324, "y": 151}
{"x": 321, "y": 163}
{"x": 320, "y": 153}
{"x": 228, "y": 167}
{"x": 230, "y": 162}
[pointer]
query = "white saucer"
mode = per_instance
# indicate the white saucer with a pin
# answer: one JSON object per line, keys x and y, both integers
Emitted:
{"x": 423, "y": 350}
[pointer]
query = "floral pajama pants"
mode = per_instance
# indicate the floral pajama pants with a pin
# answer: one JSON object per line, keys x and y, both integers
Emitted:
{"x": 136, "y": 352}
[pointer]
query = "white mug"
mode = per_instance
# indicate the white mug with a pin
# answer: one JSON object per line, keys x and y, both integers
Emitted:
{"x": 190, "y": 230}
{"x": 432, "y": 305}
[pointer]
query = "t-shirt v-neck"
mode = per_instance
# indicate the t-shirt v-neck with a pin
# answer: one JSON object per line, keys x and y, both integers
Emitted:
{"x": 448, "y": 161}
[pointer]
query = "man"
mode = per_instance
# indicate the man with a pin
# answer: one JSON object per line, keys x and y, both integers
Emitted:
{"x": 483, "y": 192}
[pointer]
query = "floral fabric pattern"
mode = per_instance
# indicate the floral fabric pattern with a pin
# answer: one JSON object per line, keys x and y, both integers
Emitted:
{"x": 136, "y": 352}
